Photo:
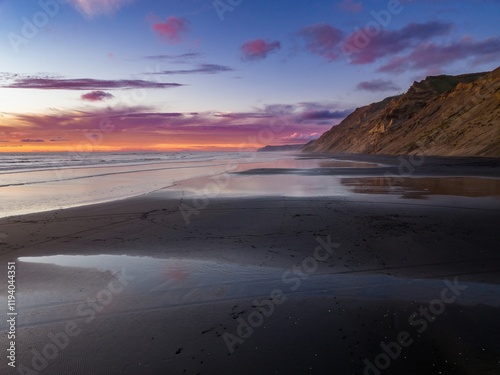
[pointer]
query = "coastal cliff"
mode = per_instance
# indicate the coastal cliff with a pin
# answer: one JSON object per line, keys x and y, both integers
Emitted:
{"x": 441, "y": 115}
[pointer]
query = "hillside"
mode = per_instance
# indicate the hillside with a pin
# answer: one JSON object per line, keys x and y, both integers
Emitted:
{"x": 441, "y": 115}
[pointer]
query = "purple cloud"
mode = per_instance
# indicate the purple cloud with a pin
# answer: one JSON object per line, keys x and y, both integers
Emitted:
{"x": 323, "y": 115}
{"x": 182, "y": 56}
{"x": 96, "y": 96}
{"x": 60, "y": 139}
{"x": 258, "y": 49}
{"x": 323, "y": 40}
{"x": 202, "y": 68}
{"x": 83, "y": 84}
{"x": 377, "y": 85}
{"x": 363, "y": 49}
{"x": 31, "y": 140}
{"x": 433, "y": 56}
{"x": 144, "y": 121}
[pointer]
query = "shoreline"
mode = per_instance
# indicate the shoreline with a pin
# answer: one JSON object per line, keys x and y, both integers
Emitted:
{"x": 151, "y": 211}
{"x": 157, "y": 290}
{"x": 393, "y": 169}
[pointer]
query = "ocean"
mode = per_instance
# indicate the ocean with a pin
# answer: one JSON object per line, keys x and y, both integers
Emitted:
{"x": 38, "y": 182}
{"x": 35, "y": 182}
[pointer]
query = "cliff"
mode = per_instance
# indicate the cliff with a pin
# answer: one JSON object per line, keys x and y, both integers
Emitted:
{"x": 441, "y": 115}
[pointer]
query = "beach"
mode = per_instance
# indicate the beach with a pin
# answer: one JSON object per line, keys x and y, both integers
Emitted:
{"x": 273, "y": 264}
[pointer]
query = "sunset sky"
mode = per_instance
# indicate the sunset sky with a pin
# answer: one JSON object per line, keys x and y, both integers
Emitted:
{"x": 97, "y": 75}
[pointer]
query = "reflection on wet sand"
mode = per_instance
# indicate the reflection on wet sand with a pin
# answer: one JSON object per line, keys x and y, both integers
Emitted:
{"x": 345, "y": 164}
{"x": 421, "y": 187}
{"x": 187, "y": 281}
{"x": 305, "y": 163}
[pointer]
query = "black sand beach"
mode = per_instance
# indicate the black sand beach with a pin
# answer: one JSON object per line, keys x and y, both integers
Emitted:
{"x": 397, "y": 275}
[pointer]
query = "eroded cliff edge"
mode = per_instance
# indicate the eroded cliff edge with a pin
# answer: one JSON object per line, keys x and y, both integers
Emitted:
{"x": 441, "y": 115}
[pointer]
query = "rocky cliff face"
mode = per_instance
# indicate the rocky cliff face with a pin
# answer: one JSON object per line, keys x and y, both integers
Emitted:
{"x": 441, "y": 115}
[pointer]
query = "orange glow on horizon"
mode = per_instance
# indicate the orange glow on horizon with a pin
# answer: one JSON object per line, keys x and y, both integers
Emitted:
{"x": 146, "y": 148}
{"x": 67, "y": 133}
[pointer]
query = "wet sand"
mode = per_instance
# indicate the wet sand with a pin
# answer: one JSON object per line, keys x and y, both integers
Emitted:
{"x": 232, "y": 282}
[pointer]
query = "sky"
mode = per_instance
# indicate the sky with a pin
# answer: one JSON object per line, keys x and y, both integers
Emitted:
{"x": 171, "y": 75}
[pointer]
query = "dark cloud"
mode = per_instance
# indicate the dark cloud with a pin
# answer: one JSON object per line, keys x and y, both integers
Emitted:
{"x": 242, "y": 115}
{"x": 151, "y": 115}
{"x": 60, "y": 139}
{"x": 323, "y": 115}
{"x": 141, "y": 124}
{"x": 97, "y": 96}
{"x": 202, "y": 68}
{"x": 323, "y": 40}
{"x": 435, "y": 56}
{"x": 32, "y": 140}
{"x": 182, "y": 56}
{"x": 279, "y": 109}
{"x": 83, "y": 84}
{"x": 378, "y": 85}
{"x": 363, "y": 49}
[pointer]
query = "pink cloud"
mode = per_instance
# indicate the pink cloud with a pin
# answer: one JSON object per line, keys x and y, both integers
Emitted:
{"x": 258, "y": 49}
{"x": 142, "y": 123}
{"x": 433, "y": 56}
{"x": 350, "y": 6}
{"x": 97, "y": 96}
{"x": 361, "y": 48}
{"x": 172, "y": 29}
{"x": 323, "y": 40}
